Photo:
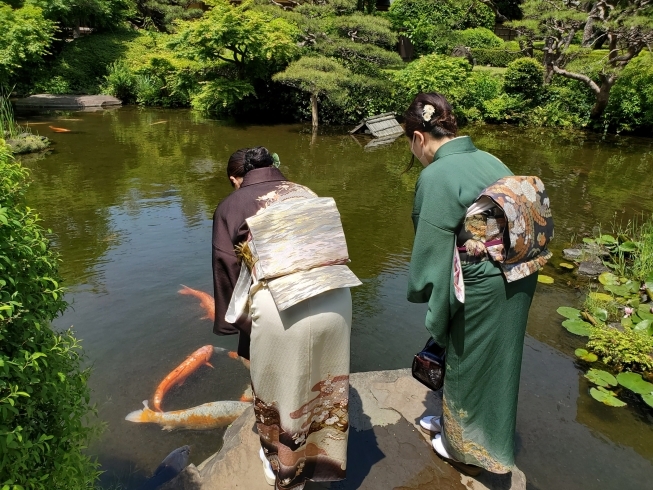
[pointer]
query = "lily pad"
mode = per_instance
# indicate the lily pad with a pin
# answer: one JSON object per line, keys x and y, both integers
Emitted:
{"x": 643, "y": 326}
{"x": 608, "y": 279}
{"x": 634, "y": 382}
{"x": 600, "y": 296}
{"x": 586, "y": 356}
{"x": 545, "y": 279}
{"x": 644, "y": 312}
{"x": 607, "y": 240}
{"x": 606, "y": 397}
{"x": 568, "y": 312}
{"x": 621, "y": 290}
{"x": 578, "y": 327}
{"x": 628, "y": 247}
{"x": 601, "y": 314}
{"x": 601, "y": 378}
{"x": 648, "y": 399}
{"x": 627, "y": 322}
{"x": 567, "y": 265}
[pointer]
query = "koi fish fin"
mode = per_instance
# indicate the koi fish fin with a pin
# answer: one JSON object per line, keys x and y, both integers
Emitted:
{"x": 248, "y": 395}
{"x": 233, "y": 355}
{"x": 210, "y": 365}
{"x": 219, "y": 350}
{"x": 139, "y": 415}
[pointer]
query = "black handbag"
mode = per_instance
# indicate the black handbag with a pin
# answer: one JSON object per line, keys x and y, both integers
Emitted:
{"x": 429, "y": 366}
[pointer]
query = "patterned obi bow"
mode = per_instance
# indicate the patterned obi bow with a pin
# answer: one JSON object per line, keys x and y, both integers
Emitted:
{"x": 511, "y": 222}
{"x": 298, "y": 249}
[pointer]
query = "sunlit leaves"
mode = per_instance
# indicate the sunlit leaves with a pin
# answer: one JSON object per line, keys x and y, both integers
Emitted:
{"x": 601, "y": 378}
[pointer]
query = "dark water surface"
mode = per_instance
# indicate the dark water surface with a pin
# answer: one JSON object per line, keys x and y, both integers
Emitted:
{"x": 130, "y": 200}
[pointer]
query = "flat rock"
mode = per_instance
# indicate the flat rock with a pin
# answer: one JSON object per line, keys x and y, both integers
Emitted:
{"x": 572, "y": 253}
{"x": 592, "y": 269}
{"x": 387, "y": 450}
{"x": 49, "y": 101}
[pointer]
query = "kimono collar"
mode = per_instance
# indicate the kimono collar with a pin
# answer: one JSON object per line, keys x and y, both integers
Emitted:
{"x": 259, "y": 175}
{"x": 462, "y": 144}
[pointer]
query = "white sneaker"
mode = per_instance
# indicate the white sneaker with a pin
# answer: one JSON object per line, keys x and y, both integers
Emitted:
{"x": 431, "y": 424}
{"x": 270, "y": 477}
{"x": 439, "y": 447}
{"x": 468, "y": 469}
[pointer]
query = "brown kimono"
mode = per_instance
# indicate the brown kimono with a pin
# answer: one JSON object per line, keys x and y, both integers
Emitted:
{"x": 260, "y": 187}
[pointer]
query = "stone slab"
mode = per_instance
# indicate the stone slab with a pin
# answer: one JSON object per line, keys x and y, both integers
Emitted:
{"x": 387, "y": 450}
{"x": 49, "y": 101}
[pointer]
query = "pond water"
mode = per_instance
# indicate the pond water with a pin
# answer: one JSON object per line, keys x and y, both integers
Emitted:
{"x": 129, "y": 195}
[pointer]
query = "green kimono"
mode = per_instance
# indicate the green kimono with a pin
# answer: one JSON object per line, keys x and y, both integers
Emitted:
{"x": 484, "y": 336}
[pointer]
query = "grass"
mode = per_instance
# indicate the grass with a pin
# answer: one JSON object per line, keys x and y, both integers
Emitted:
{"x": 8, "y": 124}
{"x": 493, "y": 70}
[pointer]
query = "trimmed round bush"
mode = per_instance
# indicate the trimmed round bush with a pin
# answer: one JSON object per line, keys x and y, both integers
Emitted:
{"x": 479, "y": 37}
{"x": 525, "y": 77}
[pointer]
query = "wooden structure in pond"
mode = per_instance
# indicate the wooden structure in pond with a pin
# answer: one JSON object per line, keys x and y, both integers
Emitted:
{"x": 384, "y": 128}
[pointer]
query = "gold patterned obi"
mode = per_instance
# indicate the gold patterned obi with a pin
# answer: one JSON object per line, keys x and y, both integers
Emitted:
{"x": 510, "y": 222}
{"x": 298, "y": 249}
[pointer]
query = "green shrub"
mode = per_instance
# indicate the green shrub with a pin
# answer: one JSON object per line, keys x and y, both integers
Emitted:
{"x": 433, "y": 73}
{"x": 83, "y": 63}
{"x": 525, "y": 77}
{"x": 504, "y": 109}
{"x": 120, "y": 82}
{"x": 429, "y": 22}
{"x": 631, "y": 101}
{"x": 495, "y": 56}
{"x": 479, "y": 37}
{"x": 625, "y": 349}
{"x": 480, "y": 87}
{"x": 44, "y": 397}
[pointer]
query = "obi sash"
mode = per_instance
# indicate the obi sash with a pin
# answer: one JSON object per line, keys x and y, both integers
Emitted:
{"x": 511, "y": 222}
{"x": 298, "y": 248}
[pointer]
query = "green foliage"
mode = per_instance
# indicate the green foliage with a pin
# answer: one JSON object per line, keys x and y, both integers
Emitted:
{"x": 82, "y": 64}
{"x": 433, "y": 73}
{"x": 495, "y": 56}
{"x": 25, "y": 36}
{"x": 478, "y": 37}
{"x": 366, "y": 29}
{"x": 160, "y": 14}
{"x": 631, "y": 101}
{"x": 525, "y": 77}
{"x": 252, "y": 40}
{"x": 317, "y": 75}
{"x": 623, "y": 349}
{"x": 44, "y": 398}
{"x": 429, "y": 22}
{"x": 98, "y": 14}
{"x": 221, "y": 94}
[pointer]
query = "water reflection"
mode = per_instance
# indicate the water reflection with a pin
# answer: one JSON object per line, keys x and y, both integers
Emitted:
{"x": 129, "y": 196}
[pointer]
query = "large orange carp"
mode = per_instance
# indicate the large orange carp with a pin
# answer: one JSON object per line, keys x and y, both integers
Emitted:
{"x": 177, "y": 377}
{"x": 206, "y": 300}
{"x": 207, "y": 416}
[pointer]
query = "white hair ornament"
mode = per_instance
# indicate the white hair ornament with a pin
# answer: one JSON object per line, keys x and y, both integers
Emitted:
{"x": 427, "y": 112}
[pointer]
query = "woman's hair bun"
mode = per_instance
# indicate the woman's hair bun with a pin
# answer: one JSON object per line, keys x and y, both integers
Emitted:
{"x": 430, "y": 112}
{"x": 257, "y": 157}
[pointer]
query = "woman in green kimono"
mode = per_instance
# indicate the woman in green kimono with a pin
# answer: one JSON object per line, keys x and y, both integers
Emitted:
{"x": 484, "y": 335}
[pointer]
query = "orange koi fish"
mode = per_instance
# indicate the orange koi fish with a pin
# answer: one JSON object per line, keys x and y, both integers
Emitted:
{"x": 207, "y": 416}
{"x": 206, "y": 301}
{"x": 234, "y": 355}
{"x": 59, "y": 130}
{"x": 181, "y": 372}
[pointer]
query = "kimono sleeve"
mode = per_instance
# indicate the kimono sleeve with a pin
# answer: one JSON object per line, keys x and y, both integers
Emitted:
{"x": 430, "y": 276}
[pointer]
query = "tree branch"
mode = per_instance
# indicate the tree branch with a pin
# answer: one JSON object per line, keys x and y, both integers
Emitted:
{"x": 577, "y": 76}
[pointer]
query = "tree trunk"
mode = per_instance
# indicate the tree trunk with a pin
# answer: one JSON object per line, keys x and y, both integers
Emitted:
{"x": 602, "y": 98}
{"x": 588, "y": 31}
{"x": 314, "y": 110}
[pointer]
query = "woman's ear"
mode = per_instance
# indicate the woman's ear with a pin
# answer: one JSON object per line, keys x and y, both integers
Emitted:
{"x": 417, "y": 141}
{"x": 235, "y": 182}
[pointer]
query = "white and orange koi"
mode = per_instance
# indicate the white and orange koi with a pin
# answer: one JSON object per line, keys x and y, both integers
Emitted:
{"x": 207, "y": 416}
{"x": 178, "y": 375}
{"x": 206, "y": 301}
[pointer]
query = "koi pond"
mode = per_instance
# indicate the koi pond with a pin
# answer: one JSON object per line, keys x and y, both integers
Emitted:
{"x": 129, "y": 196}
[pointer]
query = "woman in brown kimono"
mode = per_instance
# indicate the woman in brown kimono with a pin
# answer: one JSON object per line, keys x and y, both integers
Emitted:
{"x": 299, "y": 354}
